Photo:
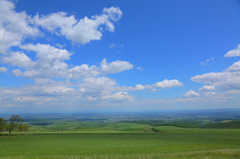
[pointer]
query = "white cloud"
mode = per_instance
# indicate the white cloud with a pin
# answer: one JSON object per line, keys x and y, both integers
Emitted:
{"x": 163, "y": 84}
{"x": 96, "y": 87}
{"x": 153, "y": 90}
{"x": 82, "y": 31}
{"x": 18, "y": 59}
{"x": 139, "y": 87}
{"x": 3, "y": 69}
{"x": 60, "y": 46}
{"x": 55, "y": 20}
{"x": 234, "y": 67}
{"x": 50, "y": 63}
{"x": 139, "y": 68}
{"x": 114, "y": 67}
{"x": 233, "y": 53}
{"x": 83, "y": 71}
{"x": 191, "y": 93}
{"x": 113, "y": 13}
{"x": 207, "y": 88}
{"x": 168, "y": 84}
{"x": 47, "y": 53}
{"x": 14, "y": 26}
{"x": 227, "y": 79}
{"x": 118, "y": 96}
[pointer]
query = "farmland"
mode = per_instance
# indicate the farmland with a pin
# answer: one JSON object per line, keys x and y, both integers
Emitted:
{"x": 128, "y": 136}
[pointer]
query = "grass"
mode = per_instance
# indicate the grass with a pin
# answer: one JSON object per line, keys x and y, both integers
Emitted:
{"x": 173, "y": 129}
{"x": 126, "y": 144}
{"x": 104, "y": 139}
{"x": 219, "y": 154}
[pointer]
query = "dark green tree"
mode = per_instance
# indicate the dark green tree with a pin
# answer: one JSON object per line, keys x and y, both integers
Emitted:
{"x": 25, "y": 127}
{"x": 3, "y": 124}
{"x": 13, "y": 121}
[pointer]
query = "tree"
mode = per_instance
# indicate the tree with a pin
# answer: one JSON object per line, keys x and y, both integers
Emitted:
{"x": 3, "y": 124}
{"x": 25, "y": 127}
{"x": 13, "y": 121}
{"x": 20, "y": 127}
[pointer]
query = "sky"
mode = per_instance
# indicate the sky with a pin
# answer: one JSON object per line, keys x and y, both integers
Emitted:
{"x": 119, "y": 55}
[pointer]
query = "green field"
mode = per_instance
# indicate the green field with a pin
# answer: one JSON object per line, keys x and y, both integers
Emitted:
{"x": 121, "y": 137}
{"x": 171, "y": 142}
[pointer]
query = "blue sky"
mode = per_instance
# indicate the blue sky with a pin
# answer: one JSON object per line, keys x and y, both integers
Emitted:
{"x": 119, "y": 55}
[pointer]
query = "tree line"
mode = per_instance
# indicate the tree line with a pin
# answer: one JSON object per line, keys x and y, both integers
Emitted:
{"x": 15, "y": 123}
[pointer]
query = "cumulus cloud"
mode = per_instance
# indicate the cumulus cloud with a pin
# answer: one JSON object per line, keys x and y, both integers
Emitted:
{"x": 3, "y": 69}
{"x": 79, "y": 31}
{"x": 14, "y": 26}
{"x": 48, "y": 53}
{"x": 119, "y": 96}
{"x": 114, "y": 13}
{"x": 138, "y": 87}
{"x": 227, "y": 79}
{"x": 234, "y": 68}
{"x": 207, "y": 88}
{"x": 168, "y": 84}
{"x": 191, "y": 93}
{"x": 162, "y": 84}
{"x": 139, "y": 68}
{"x": 114, "y": 67}
{"x": 18, "y": 59}
{"x": 51, "y": 63}
{"x": 233, "y": 53}
{"x": 83, "y": 71}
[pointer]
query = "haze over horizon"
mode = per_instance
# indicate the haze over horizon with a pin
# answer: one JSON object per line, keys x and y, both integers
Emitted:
{"x": 118, "y": 55}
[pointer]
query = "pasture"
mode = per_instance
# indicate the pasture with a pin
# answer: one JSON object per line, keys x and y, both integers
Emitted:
{"x": 124, "y": 137}
{"x": 169, "y": 143}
